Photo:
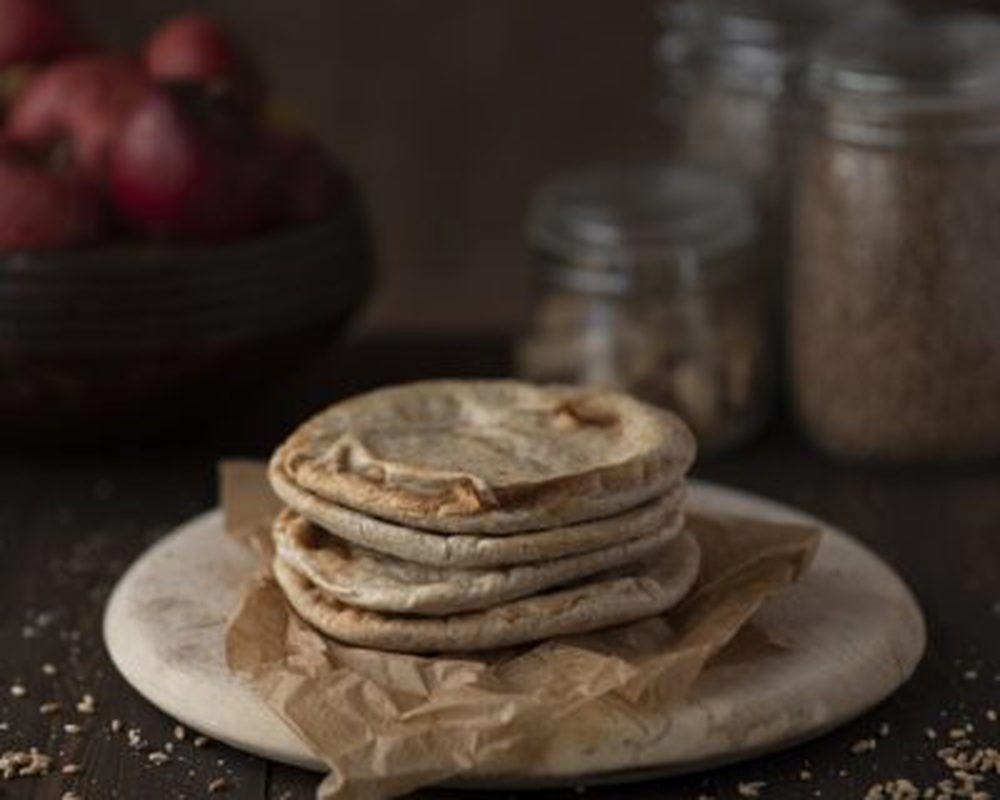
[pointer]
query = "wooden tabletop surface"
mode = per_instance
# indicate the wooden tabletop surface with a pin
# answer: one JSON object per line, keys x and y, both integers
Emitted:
{"x": 70, "y": 524}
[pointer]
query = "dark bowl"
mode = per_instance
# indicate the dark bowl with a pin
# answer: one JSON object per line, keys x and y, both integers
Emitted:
{"x": 141, "y": 339}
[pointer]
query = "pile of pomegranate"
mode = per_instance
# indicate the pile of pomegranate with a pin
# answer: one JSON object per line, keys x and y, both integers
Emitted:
{"x": 170, "y": 145}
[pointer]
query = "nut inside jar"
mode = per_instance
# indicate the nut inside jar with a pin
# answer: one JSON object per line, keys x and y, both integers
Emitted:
{"x": 689, "y": 334}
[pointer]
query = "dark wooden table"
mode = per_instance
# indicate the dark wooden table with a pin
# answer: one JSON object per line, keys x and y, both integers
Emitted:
{"x": 69, "y": 525}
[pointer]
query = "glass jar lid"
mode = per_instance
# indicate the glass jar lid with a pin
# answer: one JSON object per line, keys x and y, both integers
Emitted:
{"x": 892, "y": 55}
{"x": 615, "y": 218}
{"x": 753, "y": 42}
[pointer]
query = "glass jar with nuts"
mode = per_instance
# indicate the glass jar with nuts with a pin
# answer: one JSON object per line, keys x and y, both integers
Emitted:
{"x": 651, "y": 284}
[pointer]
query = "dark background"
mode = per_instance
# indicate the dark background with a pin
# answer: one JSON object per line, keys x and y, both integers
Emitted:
{"x": 450, "y": 111}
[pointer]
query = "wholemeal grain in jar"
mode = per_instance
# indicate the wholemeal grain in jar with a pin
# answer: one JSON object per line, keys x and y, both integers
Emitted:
{"x": 894, "y": 322}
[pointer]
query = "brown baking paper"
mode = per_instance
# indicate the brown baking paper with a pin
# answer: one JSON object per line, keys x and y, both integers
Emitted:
{"x": 388, "y": 723}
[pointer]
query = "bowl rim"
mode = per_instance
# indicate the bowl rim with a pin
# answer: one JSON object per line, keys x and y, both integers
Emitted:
{"x": 136, "y": 256}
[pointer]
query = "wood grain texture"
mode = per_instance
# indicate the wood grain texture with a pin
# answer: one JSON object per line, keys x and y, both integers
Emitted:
{"x": 70, "y": 524}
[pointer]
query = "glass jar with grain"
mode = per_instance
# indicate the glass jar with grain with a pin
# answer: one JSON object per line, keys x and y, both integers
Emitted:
{"x": 651, "y": 283}
{"x": 894, "y": 330}
{"x": 731, "y": 91}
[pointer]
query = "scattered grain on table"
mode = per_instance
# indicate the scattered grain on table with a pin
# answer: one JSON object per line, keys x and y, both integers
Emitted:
{"x": 24, "y": 763}
{"x": 750, "y": 788}
{"x": 87, "y": 704}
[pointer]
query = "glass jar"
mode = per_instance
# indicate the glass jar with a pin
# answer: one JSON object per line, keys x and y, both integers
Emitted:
{"x": 731, "y": 71}
{"x": 651, "y": 285}
{"x": 895, "y": 296}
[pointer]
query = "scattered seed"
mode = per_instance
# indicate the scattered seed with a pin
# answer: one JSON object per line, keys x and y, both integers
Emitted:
{"x": 87, "y": 704}
{"x": 863, "y": 746}
{"x": 72, "y": 796}
{"x": 24, "y": 764}
{"x": 158, "y": 758}
{"x": 750, "y": 788}
{"x": 49, "y": 669}
{"x": 805, "y": 775}
{"x": 179, "y": 732}
{"x": 970, "y": 675}
{"x": 71, "y": 769}
{"x": 51, "y": 707}
{"x": 899, "y": 789}
{"x": 218, "y": 785}
{"x": 883, "y": 729}
{"x": 200, "y": 741}
{"x": 930, "y": 733}
{"x": 991, "y": 714}
{"x": 72, "y": 728}
{"x": 17, "y": 690}
{"x": 116, "y": 725}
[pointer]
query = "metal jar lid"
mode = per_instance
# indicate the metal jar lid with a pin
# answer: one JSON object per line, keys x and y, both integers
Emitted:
{"x": 608, "y": 222}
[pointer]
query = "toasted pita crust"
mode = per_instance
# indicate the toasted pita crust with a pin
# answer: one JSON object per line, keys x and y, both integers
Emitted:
{"x": 366, "y": 579}
{"x": 487, "y": 457}
{"x": 471, "y": 551}
{"x": 601, "y": 603}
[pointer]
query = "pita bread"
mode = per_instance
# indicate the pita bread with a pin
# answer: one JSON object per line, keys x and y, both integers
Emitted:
{"x": 487, "y": 457}
{"x": 471, "y": 551}
{"x": 366, "y": 579}
{"x": 604, "y": 602}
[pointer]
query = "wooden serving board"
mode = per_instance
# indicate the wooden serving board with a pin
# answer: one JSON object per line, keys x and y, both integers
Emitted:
{"x": 853, "y": 629}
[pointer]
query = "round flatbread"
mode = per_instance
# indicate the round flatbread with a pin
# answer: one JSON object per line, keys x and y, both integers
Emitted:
{"x": 470, "y": 551}
{"x": 601, "y": 603}
{"x": 365, "y": 579}
{"x": 487, "y": 457}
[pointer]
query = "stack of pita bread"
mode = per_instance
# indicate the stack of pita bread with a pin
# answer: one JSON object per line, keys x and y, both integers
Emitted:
{"x": 459, "y": 516}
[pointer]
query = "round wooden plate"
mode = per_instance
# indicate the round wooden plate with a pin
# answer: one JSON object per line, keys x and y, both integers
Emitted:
{"x": 853, "y": 629}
